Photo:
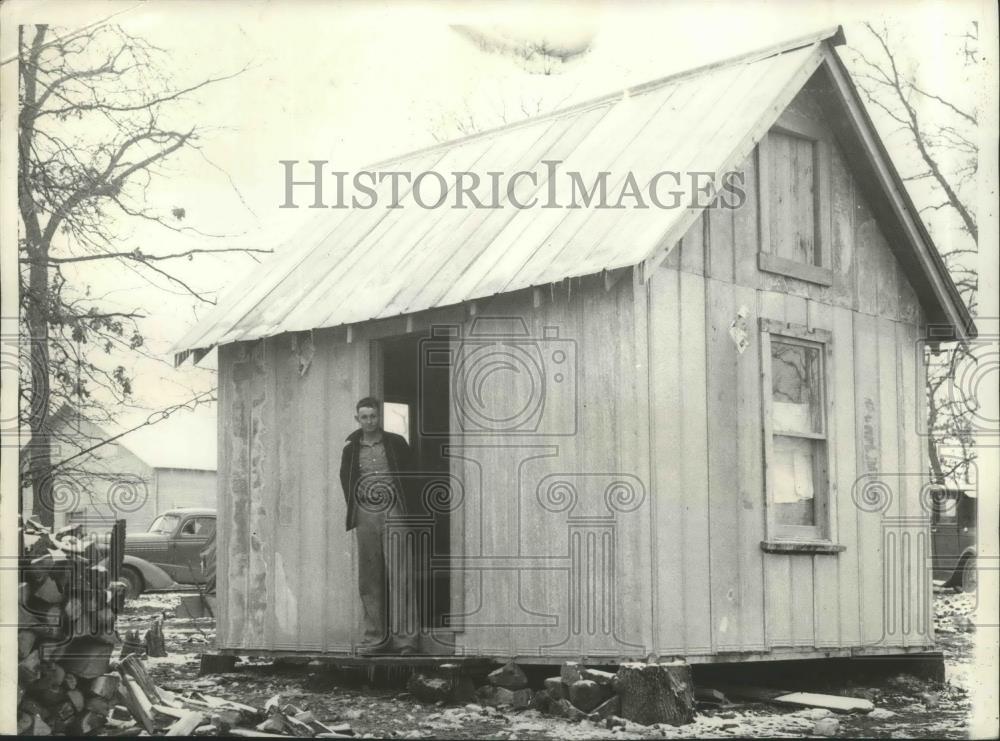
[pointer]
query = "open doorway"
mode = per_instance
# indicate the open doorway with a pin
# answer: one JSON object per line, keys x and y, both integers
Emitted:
{"x": 416, "y": 402}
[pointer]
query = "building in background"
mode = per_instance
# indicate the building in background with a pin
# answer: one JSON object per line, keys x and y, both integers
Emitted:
{"x": 159, "y": 466}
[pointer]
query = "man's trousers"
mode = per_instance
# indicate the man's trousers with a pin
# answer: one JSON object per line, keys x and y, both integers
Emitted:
{"x": 387, "y": 579}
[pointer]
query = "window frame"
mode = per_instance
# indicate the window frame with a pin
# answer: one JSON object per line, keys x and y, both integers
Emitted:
{"x": 783, "y": 538}
{"x": 820, "y": 271}
{"x": 193, "y": 519}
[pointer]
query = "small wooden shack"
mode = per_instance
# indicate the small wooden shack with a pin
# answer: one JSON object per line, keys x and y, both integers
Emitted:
{"x": 678, "y": 431}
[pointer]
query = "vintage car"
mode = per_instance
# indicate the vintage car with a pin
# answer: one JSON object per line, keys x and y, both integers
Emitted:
{"x": 953, "y": 539}
{"x": 168, "y": 555}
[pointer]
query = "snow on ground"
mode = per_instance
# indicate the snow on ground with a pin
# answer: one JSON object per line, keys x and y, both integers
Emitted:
{"x": 906, "y": 707}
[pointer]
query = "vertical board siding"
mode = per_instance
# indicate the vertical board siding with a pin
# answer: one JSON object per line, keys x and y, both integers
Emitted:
{"x": 870, "y": 497}
{"x": 826, "y": 573}
{"x": 802, "y": 600}
{"x": 722, "y": 435}
{"x": 693, "y": 482}
{"x": 666, "y": 435}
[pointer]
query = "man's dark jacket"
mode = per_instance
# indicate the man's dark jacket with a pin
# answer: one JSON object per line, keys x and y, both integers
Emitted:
{"x": 397, "y": 455}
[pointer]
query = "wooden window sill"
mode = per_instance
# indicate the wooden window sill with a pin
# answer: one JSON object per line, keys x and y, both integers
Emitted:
{"x": 797, "y": 546}
{"x": 799, "y": 270}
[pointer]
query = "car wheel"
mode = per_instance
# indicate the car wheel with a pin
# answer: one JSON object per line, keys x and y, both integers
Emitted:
{"x": 970, "y": 578}
{"x": 133, "y": 583}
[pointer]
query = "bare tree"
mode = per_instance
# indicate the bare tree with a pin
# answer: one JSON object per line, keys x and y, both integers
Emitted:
{"x": 97, "y": 123}
{"x": 942, "y": 132}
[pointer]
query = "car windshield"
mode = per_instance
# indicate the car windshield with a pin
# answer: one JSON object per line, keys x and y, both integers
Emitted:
{"x": 164, "y": 524}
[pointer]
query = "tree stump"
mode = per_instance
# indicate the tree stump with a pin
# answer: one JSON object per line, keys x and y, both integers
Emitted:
{"x": 656, "y": 693}
{"x": 154, "y": 640}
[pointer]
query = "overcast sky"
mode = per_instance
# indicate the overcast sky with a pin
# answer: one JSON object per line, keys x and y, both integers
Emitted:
{"x": 354, "y": 84}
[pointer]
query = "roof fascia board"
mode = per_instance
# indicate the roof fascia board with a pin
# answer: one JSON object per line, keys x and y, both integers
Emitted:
{"x": 930, "y": 261}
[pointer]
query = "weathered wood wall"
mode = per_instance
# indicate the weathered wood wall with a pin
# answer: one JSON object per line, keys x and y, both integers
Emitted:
{"x": 286, "y": 566}
{"x": 556, "y": 524}
{"x": 706, "y": 405}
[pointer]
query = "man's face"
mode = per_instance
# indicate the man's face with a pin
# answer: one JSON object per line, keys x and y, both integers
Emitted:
{"x": 367, "y": 418}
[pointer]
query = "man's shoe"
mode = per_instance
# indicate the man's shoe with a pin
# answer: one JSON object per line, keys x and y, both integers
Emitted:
{"x": 372, "y": 648}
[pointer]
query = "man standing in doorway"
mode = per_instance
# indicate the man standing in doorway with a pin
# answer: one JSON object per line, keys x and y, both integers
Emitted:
{"x": 369, "y": 474}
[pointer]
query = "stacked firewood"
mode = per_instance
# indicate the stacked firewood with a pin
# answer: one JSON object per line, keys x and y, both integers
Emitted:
{"x": 68, "y": 600}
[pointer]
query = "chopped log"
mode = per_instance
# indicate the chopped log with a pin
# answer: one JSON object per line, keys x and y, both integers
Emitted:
{"x": 105, "y": 686}
{"x": 218, "y": 702}
{"x": 224, "y": 720}
{"x": 65, "y": 710}
{"x": 154, "y": 640}
{"x": 76, "y": 697}
{"x": 556, "y": 689}
{"x": 73, "y": 609}
{"x": 656, "y": 693}
{"x": 98, "y": 705}
{"x": 29, "y": 668}
{"x": 133, "y": 667}
{"x": 48, "y": 623}
{"x": 70, "y": 681}
{"x": 89, "y": 722}
{"x": 247, "y": 733}
{"x": 274, "y": 724}
{"x": 87, "y": 657}
{"x": 185, "y": 726}
{"x": 120, "y": 714}
{"x": 299, "y": 727}
{"x": 510, "y": 676}
{"x": 25, "y": 642}
{"x": 24, "y": 723}
{"x": 40, "y": 727}
{"x": 47, "y": 591}
{"x": 172, "y": 712}
{"x": 47, "y": 696}
{"x": 53, "y": 675}
{"x": 137, "y": 703}
{"x": 132, "y": 644}
{"x": 571, "y": 672}
{"x": 587, "y": 694}
{"x": 602, "y": 678}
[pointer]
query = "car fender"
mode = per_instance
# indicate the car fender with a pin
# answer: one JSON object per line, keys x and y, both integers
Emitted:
{"x": 153, "y": 576}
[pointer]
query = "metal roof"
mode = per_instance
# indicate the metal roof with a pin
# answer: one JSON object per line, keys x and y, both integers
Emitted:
{"x": 354, "y": 265}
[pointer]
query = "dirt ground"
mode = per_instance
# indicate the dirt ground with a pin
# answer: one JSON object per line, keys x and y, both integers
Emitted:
{"x": 906, "y": 707}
